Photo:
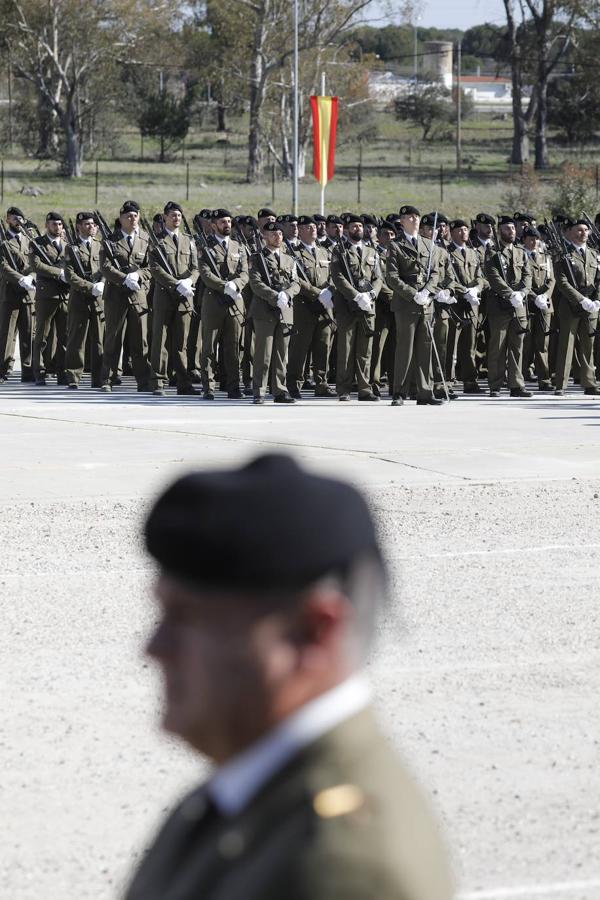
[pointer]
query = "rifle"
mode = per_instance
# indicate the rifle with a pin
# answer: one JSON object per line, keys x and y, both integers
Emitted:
{"x": 39, "y": 251}
{"x": 27, "y": 298}
{"x": 322, "y": 313}
{"x": 164, "y": 262}
{"x": 107, "y": 236}
{"x": 458, "y": 320}
{"x": 363, "y": 286}
{"x": 286, "y": 330}
{"x": 204, "y": 248}
{"x": 496, "y": 252}
{"x": 95, "y": 301}
{"x": 425, "y": 319}
{"x": 559, "y": 246}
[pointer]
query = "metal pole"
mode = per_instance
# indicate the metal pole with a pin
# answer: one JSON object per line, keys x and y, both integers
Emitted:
{"x": 187, "y": 181}
{"x": 359, "y": 173}
{"x": 322, "y": 185}
{"x": 458, "y": 108}
{"x": 273, "y": 183}
{"x": 416, "y": 63}
{"x": 295, "y": 149}
{"x": 441, "y": 184}
{"x": 2, "y": 181}
{"x": 96, "y": 179}
{"x": 10, "y": 104}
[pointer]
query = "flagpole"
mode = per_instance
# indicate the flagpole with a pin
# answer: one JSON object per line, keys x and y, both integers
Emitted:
{"x": 295, "y": 149}
{"x": 322, "y": 185}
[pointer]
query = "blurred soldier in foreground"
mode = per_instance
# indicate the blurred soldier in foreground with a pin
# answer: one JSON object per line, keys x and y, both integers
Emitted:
{"x": 261, "y": 664}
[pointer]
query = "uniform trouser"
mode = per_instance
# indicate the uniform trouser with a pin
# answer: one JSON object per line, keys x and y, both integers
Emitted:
{"x": 537, "y": 342}
{"x": 441, "y": 331}
{"x": 312, "y": 334}
{"x": 270, "y": 342}
{"x": 16, "y": 317}
{"x": 413, "y": 344}
{"x": 220, "y": 323}
{"x": 354, "y": 348}
{"x": 81, "y": 318}
{"x": 49, "y": 312}
{"x": 170, "y": 329}
{"x": 574, "y": 326}
{"x": 466, "y": 352}
{"x": 119, "y": 314}
{"x": 194, "y": 342}
{"x": 505, "y": 348}
{"x": 384, "y": 325}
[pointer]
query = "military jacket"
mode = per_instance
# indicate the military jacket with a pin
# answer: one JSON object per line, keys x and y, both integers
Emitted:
{"x": 232, "y": 265}
{"x": 49, "y": 285}
{"x": 406, "y": 271}
{"x": 313, "y": 274}
{"x": 14, "y": 264}
{"x": 130, "y": 259}
{"x": 365, "y": 268}
{"x": 446, "y": 279}
{"x": 282, "y": 276}
{"x": 542, "y": 274}
{"x": 342, "y": 821}
{"x": 79, "y": 257}
{"x": 586, "y": 274}
{"x": 182, "y": 260}
{"x": 507, "y": 271}
{"x": 384, "y": 298}
{"x": 466, "y": 270}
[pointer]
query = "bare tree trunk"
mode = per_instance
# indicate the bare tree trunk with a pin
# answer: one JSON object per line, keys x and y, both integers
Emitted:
{"x": 541, "y": 144}
{"x": 520, "y": 142}
{"x": 72, "y": 149}
{"x": 221, "y": 122}
{"x": 257, "y": 97}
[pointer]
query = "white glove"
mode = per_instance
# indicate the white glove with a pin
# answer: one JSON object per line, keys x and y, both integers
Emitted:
{"x": 421, "y": 298}
{"x": 472, "y": 294}
{"x": 474, "y": 302}
{"x": 283, "y": 301}
{"x": 132, "y": 281}
{"x": 363, "y": 302}
{"x": 98, "y": 289}
{"x": 516, "y": 300}
{"x": 588, "y": 305}
{"x": 63, "y": 276}
{"x": 541, "y": 301}
{"x": 27, "y": 283}
{"x": 231, "y": 290}
{"x": 596, "y": 305}
{"x": 325, "y": 298}
{"x": 184, "y": 287}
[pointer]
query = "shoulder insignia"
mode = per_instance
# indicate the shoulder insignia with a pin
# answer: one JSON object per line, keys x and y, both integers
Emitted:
{"x": 338, "y": 801}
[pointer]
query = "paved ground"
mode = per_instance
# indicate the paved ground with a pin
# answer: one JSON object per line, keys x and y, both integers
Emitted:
{"x": 486, "y": 670}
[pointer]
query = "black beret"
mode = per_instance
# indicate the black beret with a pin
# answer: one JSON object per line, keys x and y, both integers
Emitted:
{"x": 524, "y": 217}
{"x": 271, "y": 226}
{"x": 220, "y": 214}
{"x": 408, "y": 210}
{"x": 506, "y": 220}
{"x": 485, "y": 219}
{"x": 205, "y": 213}
{"x": 266, "y": 504}
{"x": 429, "y": 219}
{"x": 129, "y": 206}
{"x": 392, "y": 217}
{"x": 288, "y": 218}
{"x": 561, "y": 218}
{"x": 14, "y": 211}
{"x": 387, "y": 226}
{"x": 369, "y": 220}
{"x": 317, "y": 217}
{"x": 54, "y": 217}
{"x": 157, "y": 217}
{"x": 530, "y": 231}
{"x": 351, "y": 217}
{"x": 571, "y": 223}
{"x": 334, "y": 220}
{"x": 83, "y": 216}
{"x": 458, "y": 223}
{"x": 250, "y": 220}
{"x": 263, "y": 212}
{"x": 444, "y": 220}
{"x": 306, "y": 220}
{"x": 170, "y": 206}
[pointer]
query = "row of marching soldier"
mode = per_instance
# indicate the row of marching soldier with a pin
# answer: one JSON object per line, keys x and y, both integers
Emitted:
{"x": 282, "y": 304}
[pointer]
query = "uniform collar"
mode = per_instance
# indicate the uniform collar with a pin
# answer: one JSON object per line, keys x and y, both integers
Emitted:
{"x": 237, "y": 782}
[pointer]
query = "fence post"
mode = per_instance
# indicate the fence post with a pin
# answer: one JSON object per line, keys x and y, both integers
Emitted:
{"x": 273, "y": 183}
{"x": 96, "y": 183}
{"x": 187, "y": 181}
{"x": 441, "y": 184}
{"x": 597, "y": 181}
{"x": 141, "y": 146}
{"x": 359, "y": 173}
{"x": 2, "y": 181}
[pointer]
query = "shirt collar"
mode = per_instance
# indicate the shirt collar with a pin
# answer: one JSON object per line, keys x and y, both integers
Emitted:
{"x": 132, "y": 234}
{"x": 172, "y": 233}
{"x": 237, "y": 782}
{"x": 410, "y": 237}
{"x": 310, "y": 247}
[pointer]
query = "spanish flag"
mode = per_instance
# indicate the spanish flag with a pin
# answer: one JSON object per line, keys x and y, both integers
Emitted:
{"x": 324, "y": 116}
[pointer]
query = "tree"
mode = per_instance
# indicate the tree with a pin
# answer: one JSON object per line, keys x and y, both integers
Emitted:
{"x": 166, "y": 117}
{"x": 428, "y": 106}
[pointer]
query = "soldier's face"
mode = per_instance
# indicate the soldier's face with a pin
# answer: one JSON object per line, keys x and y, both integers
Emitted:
{"x": 157, "y": 226}
{"x": 87, "y": 228}
{"x": 223, "y": 226}
{"x": 290, "y": 229}
{"x": 129, "y": 221}
{"x": 530, "y": 243}
{"x": 460, "y": 235}
{"x": 386, "y": 236}
{"x": 444, "y": 231}
{"x": 410, "y": 223}
{"x": 221, "y": 663}
{"x": 14, "y": 222}
{"x": 172, "y": 219}
{"x": 273, "y": 239}
{"x": 321, "y": 232}
{"x": 334, "y": 230}
{"x": 54, "y": 227}
{"x": 508, "y": 233}
{"x": 484, "y": 231}
{"x": 355, "y": 231}
{"x": 426, "y": 231}
{"x": 578, "y": 234}
{"x": 308, "y": 233}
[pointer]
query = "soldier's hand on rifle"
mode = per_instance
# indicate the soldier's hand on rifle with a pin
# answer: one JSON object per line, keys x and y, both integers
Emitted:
{"x": 63, "y": 276}
{"x": 541, "y": 301}
{"x": 231, "y": 290}
{"x": 471, "y": 296}
{"x": 422, "y": 297}
{"x": 27, "y": 283}
{"x": 444, "y": 296}
{"x": 98, "y": 289}
{"x": 325, "y": 298}
{"x": 588, "y": 305}
{"x": 132, "y": 281}
{"x": 283, "y": 301}
{"x": 364, "y": 302}
{"x": 516, "y": 300}
{"x": 184, "y": 287}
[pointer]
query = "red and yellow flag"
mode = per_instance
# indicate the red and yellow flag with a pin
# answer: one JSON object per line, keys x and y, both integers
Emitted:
{"x": 324, "y": 116}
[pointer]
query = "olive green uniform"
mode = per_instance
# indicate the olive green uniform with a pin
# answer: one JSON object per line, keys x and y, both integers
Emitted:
{"x": 442, "y": 317}
{"x": 355, "y": 327}
{"x": 272, "y": 326}
{"x": 537, "y": 340}
{"x": 126, "y": 309}
{"x": 507, "y": 271}
{"x": 342, "y": 821}
{"x": 467, "y": 271}
{"x": 406, "y": 274}
{"x": 50, "y": 304}
{"x": 85, "y": 312}
{"x": 171, "y": 312}
{"x": 312, "y": 322}
{"x": 223, "y": 317}
{"x": 575, "y": 323}
{"x": 16, "y": 306}
{"x": 385, "y": 331}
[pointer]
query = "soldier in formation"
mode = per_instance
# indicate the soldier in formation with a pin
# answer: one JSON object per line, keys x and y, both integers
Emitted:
{"x": 281, "y": 304}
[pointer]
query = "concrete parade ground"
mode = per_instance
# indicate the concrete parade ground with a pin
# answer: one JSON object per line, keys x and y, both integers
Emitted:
{"x": 486, "y": 670}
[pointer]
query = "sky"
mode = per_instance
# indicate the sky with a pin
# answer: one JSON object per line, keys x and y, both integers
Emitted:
{"x": 442, "y": 14}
